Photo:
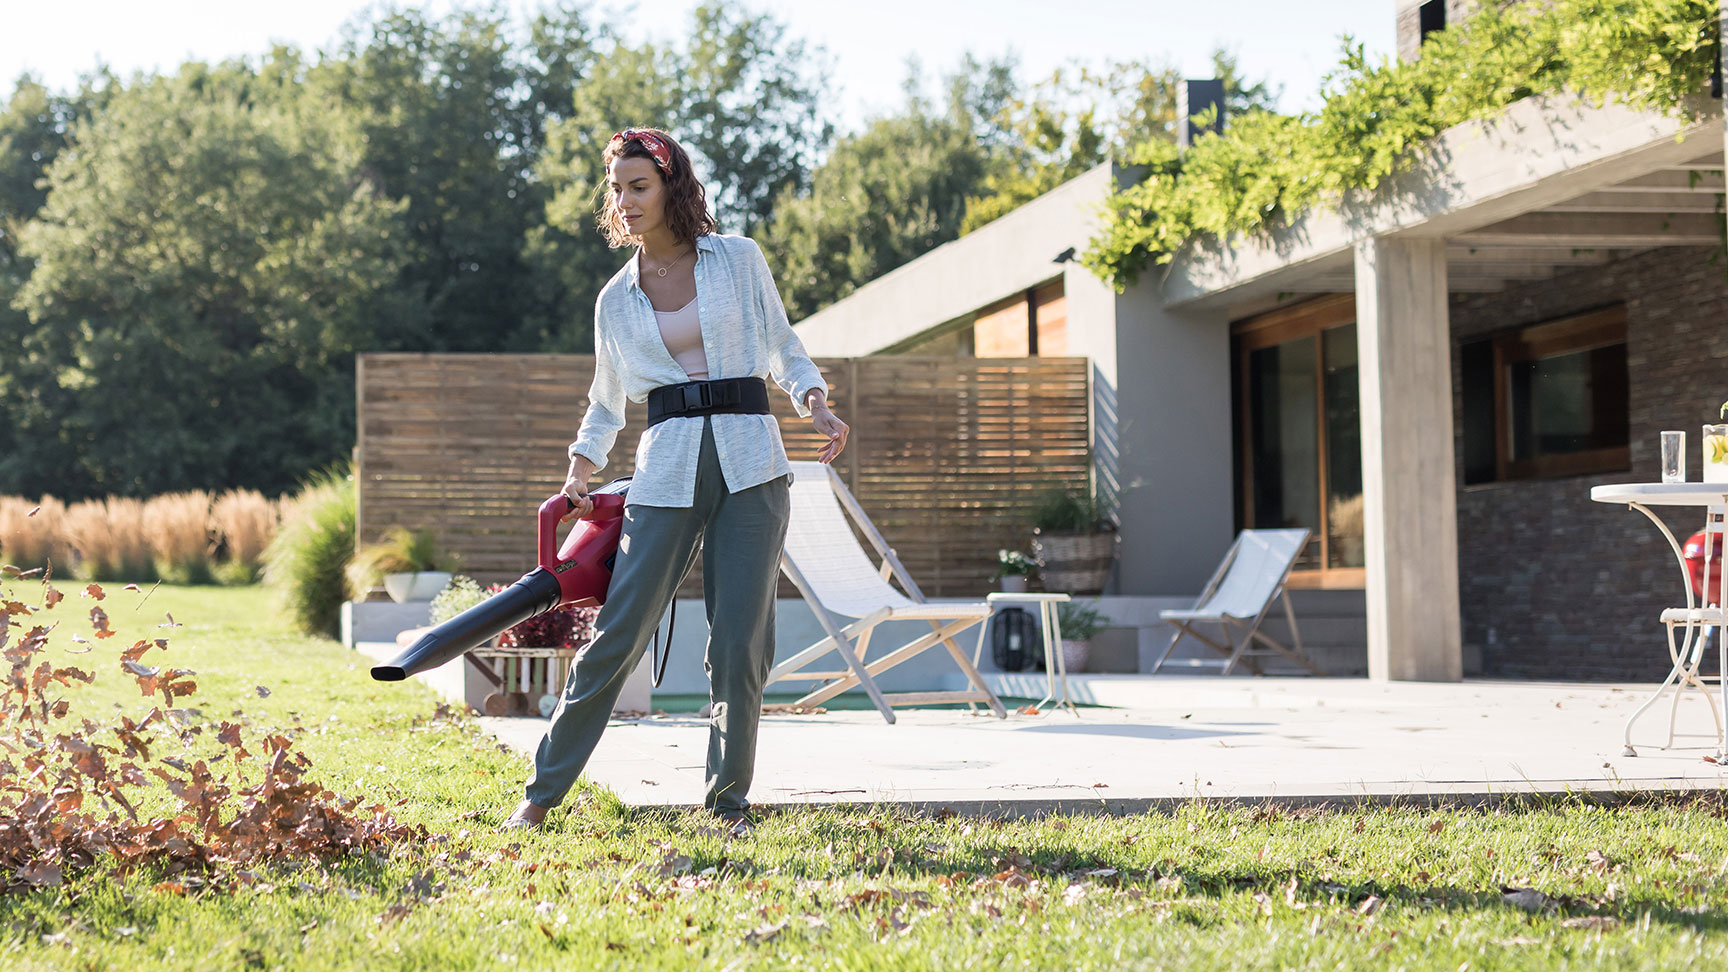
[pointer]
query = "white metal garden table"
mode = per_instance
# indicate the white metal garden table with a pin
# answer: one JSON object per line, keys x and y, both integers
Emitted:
{"x": 1694, "y": 617}
{"x": 1050, "y": 626}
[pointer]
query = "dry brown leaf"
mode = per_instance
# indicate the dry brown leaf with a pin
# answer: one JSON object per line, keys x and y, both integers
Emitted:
{"x": 1592, "y": 922}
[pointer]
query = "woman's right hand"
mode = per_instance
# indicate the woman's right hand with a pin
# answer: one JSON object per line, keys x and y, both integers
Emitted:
{"x": 576, "y": 488}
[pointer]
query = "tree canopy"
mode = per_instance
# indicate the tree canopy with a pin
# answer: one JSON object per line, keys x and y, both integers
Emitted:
{"x": 190, "y": 261}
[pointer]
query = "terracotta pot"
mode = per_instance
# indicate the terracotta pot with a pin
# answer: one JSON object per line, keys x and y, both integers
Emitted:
{"x": 1076, "y": 563}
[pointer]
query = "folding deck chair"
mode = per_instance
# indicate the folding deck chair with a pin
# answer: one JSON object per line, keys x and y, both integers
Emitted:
{"x": 1236, "y": 599}
{"x": 834, "y": 574}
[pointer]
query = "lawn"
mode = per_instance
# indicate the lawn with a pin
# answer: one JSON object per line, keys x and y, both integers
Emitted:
{"x": 607, "y": 886}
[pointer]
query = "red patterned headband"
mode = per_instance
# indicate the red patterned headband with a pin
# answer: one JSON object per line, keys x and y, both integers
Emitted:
{"x": 653, "y": 143}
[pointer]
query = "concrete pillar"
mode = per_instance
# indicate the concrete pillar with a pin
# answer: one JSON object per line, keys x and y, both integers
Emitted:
{"x": 1175, "y": 464}
{"x": 1409, "y": 491}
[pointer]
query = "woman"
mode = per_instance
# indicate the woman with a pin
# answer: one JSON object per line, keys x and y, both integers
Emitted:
{"x": 691, "y": 324}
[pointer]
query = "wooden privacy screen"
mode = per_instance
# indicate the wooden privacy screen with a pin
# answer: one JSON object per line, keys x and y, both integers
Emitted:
{"x": 946, "y": 454}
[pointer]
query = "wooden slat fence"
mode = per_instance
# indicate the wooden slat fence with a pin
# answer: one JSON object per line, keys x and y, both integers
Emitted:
{"x": 946, "y": 454}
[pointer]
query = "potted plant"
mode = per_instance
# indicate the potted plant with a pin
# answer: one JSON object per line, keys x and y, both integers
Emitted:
{"x": 1079, "y": 623}
{"x": 1012, "y": 569}
{"x": 408, "y": 562}
{"x": 459, "y": 595}
{"x": 1073, "y": 542}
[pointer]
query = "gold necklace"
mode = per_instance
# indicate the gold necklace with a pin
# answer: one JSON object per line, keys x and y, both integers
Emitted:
{"x": 662, "y": 271}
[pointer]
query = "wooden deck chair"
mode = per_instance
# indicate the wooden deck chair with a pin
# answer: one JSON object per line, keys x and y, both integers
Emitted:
{"x": 824, "y": 560}
{"x": 1236, "y": 599}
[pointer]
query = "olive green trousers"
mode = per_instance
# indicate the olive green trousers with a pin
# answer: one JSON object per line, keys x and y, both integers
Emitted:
{"x": 740, "y": 536}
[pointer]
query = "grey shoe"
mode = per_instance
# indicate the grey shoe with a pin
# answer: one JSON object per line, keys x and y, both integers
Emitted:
{"x": 520, "y": 823}
{"x": 737, "y": 824}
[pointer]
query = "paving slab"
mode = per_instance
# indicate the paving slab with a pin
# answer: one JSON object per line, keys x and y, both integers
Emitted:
{"x": 1164, "y": 740}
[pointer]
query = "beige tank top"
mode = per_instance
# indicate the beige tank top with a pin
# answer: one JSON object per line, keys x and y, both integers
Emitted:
{"x": 682, "y": 331}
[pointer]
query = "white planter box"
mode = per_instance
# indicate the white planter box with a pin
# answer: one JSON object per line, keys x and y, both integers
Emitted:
{"x": 421, "y": 586}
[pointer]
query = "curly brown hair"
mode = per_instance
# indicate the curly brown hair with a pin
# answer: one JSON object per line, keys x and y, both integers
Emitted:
{"x": 686, "y": 210}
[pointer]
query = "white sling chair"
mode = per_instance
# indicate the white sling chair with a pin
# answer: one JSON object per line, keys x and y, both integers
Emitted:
{"x": 824, "y": 560}
{"x": 1237, "y": 598}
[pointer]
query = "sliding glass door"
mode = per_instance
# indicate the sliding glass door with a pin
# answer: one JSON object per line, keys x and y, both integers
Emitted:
{"x": 1299, "y": 434}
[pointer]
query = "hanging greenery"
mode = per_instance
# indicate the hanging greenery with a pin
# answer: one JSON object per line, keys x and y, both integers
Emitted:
{"x": 1267, "y": 169}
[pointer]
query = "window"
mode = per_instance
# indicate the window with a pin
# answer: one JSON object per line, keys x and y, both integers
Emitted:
{"x": 1546, "y": 400}
{"x": 1299, "y": 435}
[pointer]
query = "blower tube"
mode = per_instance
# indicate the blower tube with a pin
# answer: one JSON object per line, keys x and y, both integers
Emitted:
{"x": 534, "y": 594}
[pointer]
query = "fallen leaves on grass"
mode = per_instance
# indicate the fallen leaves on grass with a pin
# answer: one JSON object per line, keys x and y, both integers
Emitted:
{"x": 71, "y": 797}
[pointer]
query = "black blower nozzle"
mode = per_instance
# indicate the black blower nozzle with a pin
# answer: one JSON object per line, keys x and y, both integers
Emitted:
{"x": 534, "y": 594}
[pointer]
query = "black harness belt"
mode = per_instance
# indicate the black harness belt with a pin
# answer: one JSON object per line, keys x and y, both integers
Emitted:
{"x": 740, "y": 396}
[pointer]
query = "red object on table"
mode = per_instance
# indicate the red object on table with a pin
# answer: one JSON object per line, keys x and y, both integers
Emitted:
{"x": 1705, "y": 588}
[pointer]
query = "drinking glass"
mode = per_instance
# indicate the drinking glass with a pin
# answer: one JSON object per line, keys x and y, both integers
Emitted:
{"x": 1716, "y": 453}
{"x": 1673, "y": 457}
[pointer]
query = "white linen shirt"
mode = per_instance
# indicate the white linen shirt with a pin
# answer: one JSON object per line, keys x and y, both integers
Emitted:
{"x": 744, "y": 334}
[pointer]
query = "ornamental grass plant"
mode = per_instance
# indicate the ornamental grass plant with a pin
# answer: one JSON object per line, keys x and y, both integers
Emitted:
{"x": 177, "y": 528}
{"x": 244, "y": 522}
{"x": 32, "y": 533}
{"x": 307, "y": 561}
{"x": 109, "y": 540}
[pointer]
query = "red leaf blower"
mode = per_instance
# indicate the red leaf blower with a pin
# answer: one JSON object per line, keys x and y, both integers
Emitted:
{"x": 576, "y": 575}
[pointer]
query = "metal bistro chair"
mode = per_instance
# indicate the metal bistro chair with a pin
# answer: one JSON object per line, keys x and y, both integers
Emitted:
{"x": 824, "y": 560}
{"x": 1702, "y": 621}
{"x": 1236, "y": 599}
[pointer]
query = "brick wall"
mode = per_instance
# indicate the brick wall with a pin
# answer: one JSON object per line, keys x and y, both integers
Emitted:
{"x": 1553, "y": 585}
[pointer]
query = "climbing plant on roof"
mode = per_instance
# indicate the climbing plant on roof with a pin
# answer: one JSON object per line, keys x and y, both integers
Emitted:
{"x": 1267, "y": 169}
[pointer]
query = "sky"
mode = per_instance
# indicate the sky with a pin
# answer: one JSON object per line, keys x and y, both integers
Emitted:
{"x": 868, "y": 42}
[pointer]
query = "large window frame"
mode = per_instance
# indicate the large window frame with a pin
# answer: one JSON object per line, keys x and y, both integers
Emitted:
{"x": 1311, "y": 318}
{"x": 1590, "y": 331}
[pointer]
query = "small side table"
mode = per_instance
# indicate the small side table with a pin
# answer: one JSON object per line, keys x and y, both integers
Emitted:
{"x": 1050, "y": 625}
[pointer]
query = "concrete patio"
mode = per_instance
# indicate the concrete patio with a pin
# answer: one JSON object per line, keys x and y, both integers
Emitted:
{"x": 1162, "y": 740}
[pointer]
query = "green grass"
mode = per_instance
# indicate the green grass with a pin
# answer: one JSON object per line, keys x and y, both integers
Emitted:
{"x": 609, "y": 886}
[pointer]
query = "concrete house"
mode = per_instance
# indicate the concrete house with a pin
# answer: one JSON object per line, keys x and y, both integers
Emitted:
{"x": 1431, "y": 380}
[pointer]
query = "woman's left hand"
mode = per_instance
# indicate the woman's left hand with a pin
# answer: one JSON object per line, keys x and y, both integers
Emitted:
{"x": 829, "y": 424}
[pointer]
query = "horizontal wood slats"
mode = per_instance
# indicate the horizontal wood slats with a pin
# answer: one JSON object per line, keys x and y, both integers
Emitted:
{"x": 947, "y": 455}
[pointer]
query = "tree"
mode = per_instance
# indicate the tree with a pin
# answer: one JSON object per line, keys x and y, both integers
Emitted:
{"x": 1078, "y": 118}
{"x": 889, "y": 194}
{"x": 206, "y": 262}
{"x": 752, "y": 108}
{"x": 740, "y": 95}
{"x": 33, "y": 133}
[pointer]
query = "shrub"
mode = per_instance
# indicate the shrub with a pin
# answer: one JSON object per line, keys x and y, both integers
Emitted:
{"x": 177, "y": 528}
{"x": 1069, "y": 511}
{"x": 108, "y": 540}
{"x": 31, "y": 534}
{"x": 244, "y": 522}
{"x": 457, "y": 596}
{"x": 401, "y": 551}
{"x": 1079, "y": 621}
{"x": 307, "y": 561}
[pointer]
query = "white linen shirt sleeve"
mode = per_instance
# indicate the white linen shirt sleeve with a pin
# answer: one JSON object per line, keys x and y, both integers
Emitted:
{"x": 605, "y": 415}
{"x": 790, "y": 366}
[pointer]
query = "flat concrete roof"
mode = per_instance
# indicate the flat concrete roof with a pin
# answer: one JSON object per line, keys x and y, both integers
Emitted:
{"x": 1166, "y": 740}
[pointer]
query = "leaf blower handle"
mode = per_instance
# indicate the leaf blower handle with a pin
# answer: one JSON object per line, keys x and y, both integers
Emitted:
{"x": 606, "y": 506}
